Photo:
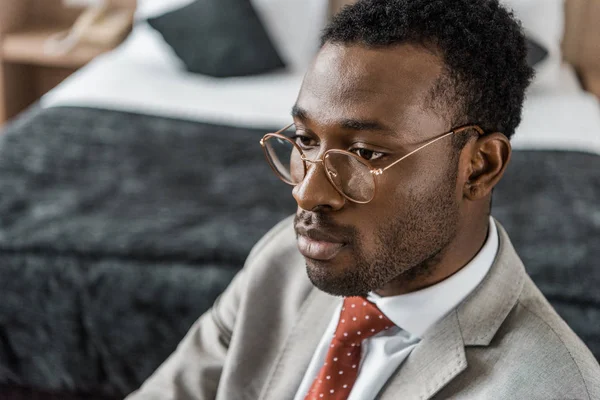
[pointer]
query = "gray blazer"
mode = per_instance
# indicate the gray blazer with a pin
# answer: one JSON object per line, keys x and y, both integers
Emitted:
{"x": 504, "y": 341}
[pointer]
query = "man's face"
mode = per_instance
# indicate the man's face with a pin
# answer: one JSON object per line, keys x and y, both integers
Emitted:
{"x": 377, "y": 100}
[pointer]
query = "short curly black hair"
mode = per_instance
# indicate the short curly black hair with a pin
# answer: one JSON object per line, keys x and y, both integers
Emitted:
{"x": 482, "y": 45}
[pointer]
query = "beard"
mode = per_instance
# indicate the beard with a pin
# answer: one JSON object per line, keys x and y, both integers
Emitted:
{"x": 407, "y": 248}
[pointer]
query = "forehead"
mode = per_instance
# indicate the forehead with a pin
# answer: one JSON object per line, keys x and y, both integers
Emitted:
{"x": 390, "y": 84}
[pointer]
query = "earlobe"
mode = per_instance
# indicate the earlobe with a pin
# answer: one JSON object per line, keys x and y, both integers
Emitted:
{"x": 490, "y": 155}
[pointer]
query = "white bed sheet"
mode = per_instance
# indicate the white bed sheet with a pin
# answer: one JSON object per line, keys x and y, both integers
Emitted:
{"x": 143, "y": 75}
{"x": 557, "y": 121}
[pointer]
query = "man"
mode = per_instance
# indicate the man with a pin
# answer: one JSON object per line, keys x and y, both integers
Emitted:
{"x": 392, "y": 281}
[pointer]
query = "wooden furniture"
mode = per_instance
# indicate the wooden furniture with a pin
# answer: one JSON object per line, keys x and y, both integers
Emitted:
{"x": 581, "y": 42}
{"x": 26, "y": 71}
{"x": 591, "y": 80}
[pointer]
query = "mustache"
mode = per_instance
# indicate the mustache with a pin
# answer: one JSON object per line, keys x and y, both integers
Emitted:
{"x": 324, "y": 223}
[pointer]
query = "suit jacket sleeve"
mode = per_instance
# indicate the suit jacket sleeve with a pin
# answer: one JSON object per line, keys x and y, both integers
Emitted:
{"x": 194, "y": 368}
{"x": 193, "y": 371}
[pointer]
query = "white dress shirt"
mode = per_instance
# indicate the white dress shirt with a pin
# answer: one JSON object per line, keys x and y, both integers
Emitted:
{"x": 413, "y": 314}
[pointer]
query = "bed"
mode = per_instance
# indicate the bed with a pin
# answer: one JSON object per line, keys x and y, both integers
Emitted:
{"x": 132, "y": 193}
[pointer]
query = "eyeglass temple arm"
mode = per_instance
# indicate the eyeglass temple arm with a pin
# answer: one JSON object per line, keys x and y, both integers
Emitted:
{"x": 279, "y": 132}
{"x": 458, "y": 130}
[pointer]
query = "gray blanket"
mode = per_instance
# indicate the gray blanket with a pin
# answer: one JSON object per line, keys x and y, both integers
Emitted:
{"x": 118, "y": 230}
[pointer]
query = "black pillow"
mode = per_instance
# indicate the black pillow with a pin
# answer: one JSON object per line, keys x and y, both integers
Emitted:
{"x": 536, "y": 53}
{"x": 220, "y": 38}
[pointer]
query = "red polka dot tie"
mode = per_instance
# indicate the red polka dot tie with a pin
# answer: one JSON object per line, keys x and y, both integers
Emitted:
{"x": 359, "y": 320}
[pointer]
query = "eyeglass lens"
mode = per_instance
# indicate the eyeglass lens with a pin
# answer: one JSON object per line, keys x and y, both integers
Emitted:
{"x": 346, "y": 173}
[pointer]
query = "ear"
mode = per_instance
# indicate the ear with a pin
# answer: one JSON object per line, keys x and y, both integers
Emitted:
{"x": 488, "y": 157}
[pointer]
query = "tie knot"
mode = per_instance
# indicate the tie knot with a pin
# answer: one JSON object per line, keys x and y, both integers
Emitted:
{"x": 359, "y": 320}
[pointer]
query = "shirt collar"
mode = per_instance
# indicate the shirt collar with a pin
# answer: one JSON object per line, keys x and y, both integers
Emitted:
{"x": 416, "y": 312}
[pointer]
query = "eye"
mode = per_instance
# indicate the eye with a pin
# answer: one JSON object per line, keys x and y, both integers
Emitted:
{"x": 304, "y": 141}
{"x": 367, "y": 154}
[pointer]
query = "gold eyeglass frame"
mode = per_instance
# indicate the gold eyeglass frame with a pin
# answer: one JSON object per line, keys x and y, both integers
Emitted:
{"x": 374, "y": 171}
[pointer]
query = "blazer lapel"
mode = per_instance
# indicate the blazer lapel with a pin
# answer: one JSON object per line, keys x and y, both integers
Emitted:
{"x": 440, "y": 356}
{"x": 437, "y": 359}
{"x": 293, "y": 359}
{"x": 483, "y": 312}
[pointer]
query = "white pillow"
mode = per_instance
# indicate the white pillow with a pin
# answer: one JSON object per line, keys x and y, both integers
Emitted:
{"x": 543, "y": 21}
{"x": 295, "y": 28}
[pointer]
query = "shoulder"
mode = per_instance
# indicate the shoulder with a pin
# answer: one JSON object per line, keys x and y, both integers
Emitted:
{"x": 280, "y": 239}
{"x": 533, "y": 355}
{"x": 275, "y": 268}
{"x": 276, "y": 255}
{"x": 552, "y": 346}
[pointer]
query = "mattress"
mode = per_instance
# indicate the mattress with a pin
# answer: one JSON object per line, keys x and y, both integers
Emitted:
{"x": 144, "y": 76}
{"x": 117, "y": 230}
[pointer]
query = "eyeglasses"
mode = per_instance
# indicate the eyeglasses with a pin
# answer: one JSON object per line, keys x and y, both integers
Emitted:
{"x": 351, "y": 175}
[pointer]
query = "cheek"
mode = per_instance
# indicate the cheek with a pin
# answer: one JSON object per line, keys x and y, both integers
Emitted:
{"x": 386, "y": 209}
{"x": 425, "y": 176}
{"x": 397, "y": 189}
{"x": 410, "y": 192}
{"x": 411, "y": 195}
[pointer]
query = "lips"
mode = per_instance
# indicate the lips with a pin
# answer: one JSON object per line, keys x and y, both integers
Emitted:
{"x": 318, "y": 250}
{"x": 318, "y": 245}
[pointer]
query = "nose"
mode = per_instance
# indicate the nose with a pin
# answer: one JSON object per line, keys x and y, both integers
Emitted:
{"x": 316, "y": 191}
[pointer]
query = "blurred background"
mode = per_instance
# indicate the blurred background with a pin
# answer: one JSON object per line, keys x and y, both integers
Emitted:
{"x": 133, "y": 186}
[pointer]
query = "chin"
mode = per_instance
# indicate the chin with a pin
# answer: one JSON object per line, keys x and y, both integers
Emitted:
{"x": 335, "y": 280}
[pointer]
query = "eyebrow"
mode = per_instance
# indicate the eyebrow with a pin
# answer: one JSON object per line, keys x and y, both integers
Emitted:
{"x": 348, "y": 123}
